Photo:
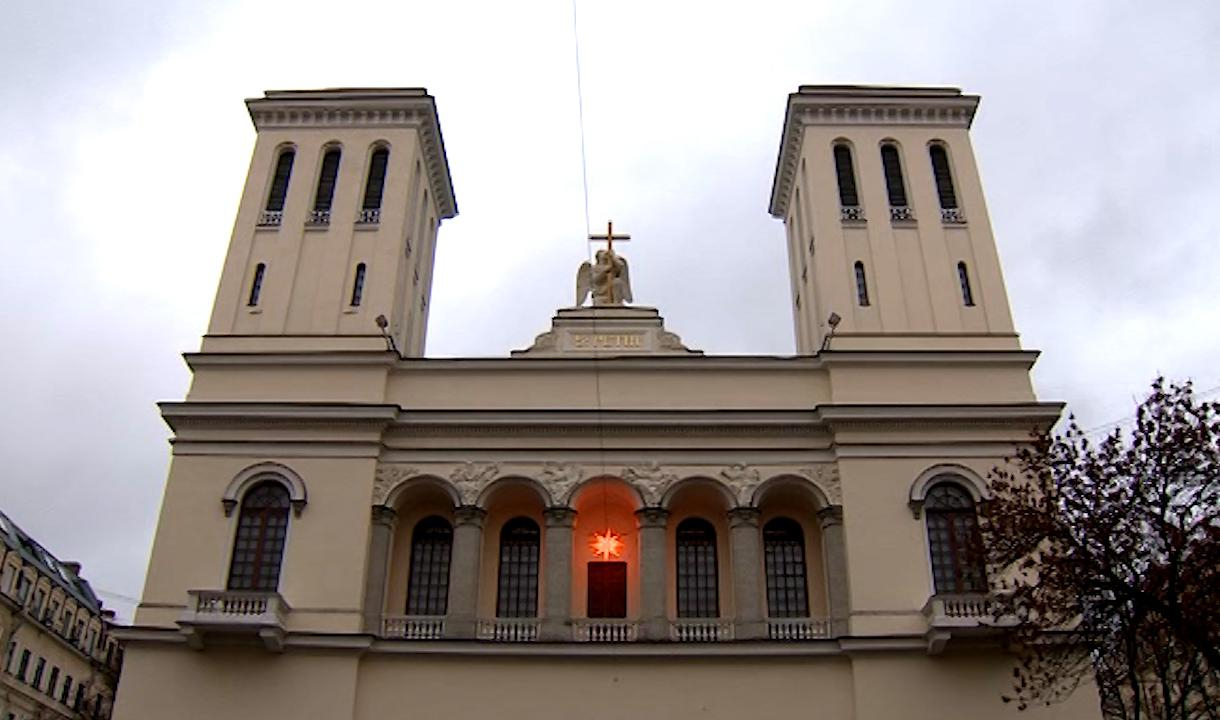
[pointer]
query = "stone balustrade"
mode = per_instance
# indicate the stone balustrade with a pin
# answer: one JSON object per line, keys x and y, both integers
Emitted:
{"x": 235, "y": 612}
{"x": 413, "y": 627}
{"x": 710, "y": 630}
{"x": 605, "y": 630}
{"x": 508, "y": 629}
{"x": 798, "y": 629}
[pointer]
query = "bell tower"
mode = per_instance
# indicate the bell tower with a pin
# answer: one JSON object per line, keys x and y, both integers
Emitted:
{"x": 337, "y": 224}
{"x": 886, "y": 223}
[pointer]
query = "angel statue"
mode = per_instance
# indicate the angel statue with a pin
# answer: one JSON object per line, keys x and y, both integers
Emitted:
{"x": 607, "y": 279}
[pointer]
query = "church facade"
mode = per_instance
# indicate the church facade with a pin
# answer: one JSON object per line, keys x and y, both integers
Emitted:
{"x": 607, "y": 523}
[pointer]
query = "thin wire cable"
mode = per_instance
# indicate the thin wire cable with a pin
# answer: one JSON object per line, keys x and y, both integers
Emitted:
{"x": 580, "y": 114}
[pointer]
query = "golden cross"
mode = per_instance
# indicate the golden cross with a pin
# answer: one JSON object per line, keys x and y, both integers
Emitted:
{"x": 610, "y": 237}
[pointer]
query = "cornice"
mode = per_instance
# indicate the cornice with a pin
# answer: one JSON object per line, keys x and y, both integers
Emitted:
{"x": 847, "y": 105}
{"x": 180, "y": 415}
{"x": 365, "y": 107}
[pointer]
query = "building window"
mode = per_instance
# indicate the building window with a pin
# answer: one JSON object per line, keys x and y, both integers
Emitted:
{"x": 963, "y": 277}
{"x": 259, "y": 546}
{"x": 52, "y": 681}
{"x": 358, "y": 285}
{"x": 23, "y": 587}
{"x": 374, "y": 186}
{"x": 80, "y": 698}
{"x": 943, "y": 177}
{"x": 953, "y": 540}
{"x": 698, "y": 578}
{"x": 256, "y": 285}
{"x": 861, "y": 285}
{"x": 784, "y": 559}
{"x": 23, "y": 665}
{"x": 849, "y": 198}
{"x": 326, "y": 187}
{"x": 66, "y": 691}
{"x": 517, "y": 594}
{"x": 40, "y": 597}
{"x": 607, "y": 591}
{"x": 39, "y": 667}
{"x": 428, "y": 585}
{"x": 895, "y": 188}
{"x": 273, "y": 212}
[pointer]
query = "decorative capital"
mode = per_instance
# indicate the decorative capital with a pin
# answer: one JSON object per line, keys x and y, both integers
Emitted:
{"x": 470, "y": 478}
{"x": 383, "y": 515}
{"x": 560, "y": 479}
{"x": 469, "y": 515}
{"x": 744, "y": 517}
{"x": 650, "y": 479}
{"x": 653, "y": 517}
{"x": 830, "y": 516}
{"x": 559, "y": 517}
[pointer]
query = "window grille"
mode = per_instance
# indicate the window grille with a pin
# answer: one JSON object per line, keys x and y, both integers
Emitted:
{"x": 698, "y": 576}
{"x": 861, "y": 285}
{"x": 953, "y": 540}
{"x": 279, "y": 184}
{"x": 256, "y": 285}
{"x": 358, "y": 285}
{"x": 431, "y": 549}
{"x": 846, "y": 174}
{"x": 963, "y": 277}
{"x": 944, "y": 178}
{"x": 375, "y": 185}
{"x": 894, "y": 186}
{"x": 261, "y": 531}
{"x": 517, "y": 593}
{"x": 784, "y": 559}
{"x": 326, "y": 187}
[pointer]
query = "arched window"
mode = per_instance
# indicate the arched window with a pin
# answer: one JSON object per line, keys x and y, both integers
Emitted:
{"x": 256, "y": 284}
{"x": 698, "y": 578}
{"x": 279, "y": 182}
{"x": 943, "y": 177}
{"x": 784, "y": 558}
{"x": 861, "y": 285}
{"x": 963, "y": 277}
{"x": 846, "y": 173}
{"x": 370, "y": 209}
{"x": 326, "y": 187}
{"x": 517, "y": 594}
{"x": 261, "y": 530}
{"x": 953, "y": 540}
{"x": 428, "y": 586}
{"x": 894, "y": 186}
{"x": 358, "y": 285}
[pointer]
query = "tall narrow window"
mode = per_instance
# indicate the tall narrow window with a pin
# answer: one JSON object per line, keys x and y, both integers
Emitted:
{"x": 358, "y": 285}
{"x": 256, "y": 285}
{"x": 428, "y": 585}
{"x": 374, "y": 186}
{"x": 517, "y": 594}
{"x": 953, "y": 540}
{"x": 784, "y": 558}
{"x": 943, "y": 177}
{"x": 861, "y": 285}
{"x": 894, "y": 186}
{"x": 273, "y": 212}
{"x": 963, "y": 277}
{"x": 698, "y": 577}
{"x": 326, "y": 187}
{"x": 849, "y": 199}
{"x": 261, "y": 530}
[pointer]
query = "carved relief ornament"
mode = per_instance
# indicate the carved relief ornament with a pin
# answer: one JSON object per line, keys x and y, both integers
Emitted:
{"x": 559, "y": 479}
{"x": 388, "y": 478}
{"x": 743, "y": 480}
{"x": 470, "y": 478}
{"x": 826, "y": 477}
{"x": 650, "y": 479}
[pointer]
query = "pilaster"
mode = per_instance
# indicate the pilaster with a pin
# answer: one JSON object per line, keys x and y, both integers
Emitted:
{"x": 557, "y": 604}
{"x": 747, "y": 573}
{"x": 464, "y": 572}
{"x": 381, "y": 532}
{"x": 654, "y": 624}
{"x": 834, "y": 548}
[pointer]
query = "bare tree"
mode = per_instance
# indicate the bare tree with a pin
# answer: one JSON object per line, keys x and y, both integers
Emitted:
{"x": 1109, "y": 559}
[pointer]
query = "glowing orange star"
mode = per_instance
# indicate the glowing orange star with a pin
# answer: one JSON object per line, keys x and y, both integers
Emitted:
{"x": 606, "y": 545}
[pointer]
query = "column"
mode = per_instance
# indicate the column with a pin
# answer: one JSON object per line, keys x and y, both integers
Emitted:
{"x": 557, "y": 577}
{"x": 380, "y": 538}
{"x": 747, "y": 574}
{"x": 834, "y": 550}
{"x": 654, "y": 621}
{"x": 464, "y": 568}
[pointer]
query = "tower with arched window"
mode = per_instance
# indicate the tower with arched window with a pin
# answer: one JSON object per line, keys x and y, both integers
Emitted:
{"x": 606, "y": 524}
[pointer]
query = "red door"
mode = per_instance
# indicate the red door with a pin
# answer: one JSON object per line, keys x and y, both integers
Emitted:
{"x": 607, "y": 590}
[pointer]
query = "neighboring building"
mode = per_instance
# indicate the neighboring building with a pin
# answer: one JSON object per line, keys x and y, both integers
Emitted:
{"x": 606, "y": 524}
{"x": 61, "y": 659}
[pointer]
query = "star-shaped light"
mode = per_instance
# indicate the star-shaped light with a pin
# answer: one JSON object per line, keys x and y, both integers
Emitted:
{"x": 606, "y": 545}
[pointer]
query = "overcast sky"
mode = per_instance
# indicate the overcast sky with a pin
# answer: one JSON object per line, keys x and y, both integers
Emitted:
{"x": 124, "y": 144}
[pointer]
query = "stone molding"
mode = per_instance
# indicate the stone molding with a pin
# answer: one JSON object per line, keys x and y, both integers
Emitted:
{"x": 651, "y": 480}
{"x": 259, "y": 472}
{"x": 388, "y": 478}
{"x": 560, "y": 479}
{"x": 471, "y": 479}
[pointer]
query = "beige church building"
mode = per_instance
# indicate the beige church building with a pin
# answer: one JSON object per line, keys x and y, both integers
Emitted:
{"x": 606, "y": 524}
